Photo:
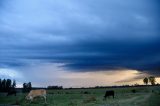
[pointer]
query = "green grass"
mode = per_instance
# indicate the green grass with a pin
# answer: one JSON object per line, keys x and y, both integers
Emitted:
{"x": 76, "y": 97}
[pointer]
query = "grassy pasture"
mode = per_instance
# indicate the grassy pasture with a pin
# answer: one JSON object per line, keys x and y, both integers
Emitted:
{"x": 91, "y": 97}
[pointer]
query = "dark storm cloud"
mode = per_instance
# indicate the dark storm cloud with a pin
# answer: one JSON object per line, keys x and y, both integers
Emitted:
{"x": 84, "y": 35}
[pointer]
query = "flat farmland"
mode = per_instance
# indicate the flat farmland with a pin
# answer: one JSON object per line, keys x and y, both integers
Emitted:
{"x": 144, "y": 96}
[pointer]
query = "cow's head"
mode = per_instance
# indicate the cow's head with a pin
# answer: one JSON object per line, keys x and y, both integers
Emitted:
{"x": 28, "y": 97}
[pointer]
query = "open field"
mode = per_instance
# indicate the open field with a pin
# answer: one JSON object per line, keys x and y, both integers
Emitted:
{"x": 91, "y": 97}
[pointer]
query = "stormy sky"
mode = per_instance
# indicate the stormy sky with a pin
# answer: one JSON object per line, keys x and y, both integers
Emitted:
{"x": 50, "y": 41}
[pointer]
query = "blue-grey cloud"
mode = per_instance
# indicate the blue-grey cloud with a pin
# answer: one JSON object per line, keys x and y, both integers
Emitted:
{"x": 83, "y": 35}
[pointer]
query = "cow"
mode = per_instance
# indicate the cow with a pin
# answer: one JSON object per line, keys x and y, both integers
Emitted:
{"x": 36, "y": 93}
{"x": 109, "y": 93}
{"x": 11, "y": 92}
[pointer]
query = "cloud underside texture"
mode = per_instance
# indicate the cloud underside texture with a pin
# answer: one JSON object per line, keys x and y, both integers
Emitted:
{"x": 83, "y": 35}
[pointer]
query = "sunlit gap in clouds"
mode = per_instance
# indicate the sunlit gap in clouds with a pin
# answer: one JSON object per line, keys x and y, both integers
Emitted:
{"x": 10, "y": 73}
{"x": 43, "y": 75}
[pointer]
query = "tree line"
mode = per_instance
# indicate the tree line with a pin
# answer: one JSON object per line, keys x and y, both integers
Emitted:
{"x": 55, "y": 87}
{"x": 7, "y": 84}
{"x": 151, "y": 80}
{"x": 27, "y": 87}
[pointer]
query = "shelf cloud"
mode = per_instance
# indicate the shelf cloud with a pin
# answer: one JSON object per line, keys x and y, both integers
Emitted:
{"x": 83, "y": 36}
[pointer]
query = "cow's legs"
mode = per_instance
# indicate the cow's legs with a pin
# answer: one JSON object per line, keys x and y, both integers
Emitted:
{"x": 31, "y": 99}
{"x": 44, "y": 98}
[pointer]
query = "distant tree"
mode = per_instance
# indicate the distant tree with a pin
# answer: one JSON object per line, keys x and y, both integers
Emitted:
{"x": 145, "y": 80}
{"x": 3, "y": 85}
{"x": 0, "y": 85}
{"x": 8, "y": 85}
{"x": 14, "y": 84}
{"x": 24, "y": 87}
{"x": 152, "y": 80}
{"x": 27, "y": 87}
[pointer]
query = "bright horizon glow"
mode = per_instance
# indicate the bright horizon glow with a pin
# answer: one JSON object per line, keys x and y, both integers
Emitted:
{"x": 55, "y": 75}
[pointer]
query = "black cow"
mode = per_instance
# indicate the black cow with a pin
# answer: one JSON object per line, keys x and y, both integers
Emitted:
{"x": 109, "y": 93}
{"x": 11, "y": 92}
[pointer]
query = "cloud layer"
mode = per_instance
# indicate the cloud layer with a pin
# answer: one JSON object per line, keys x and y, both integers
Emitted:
{"x": 82, "y": 35}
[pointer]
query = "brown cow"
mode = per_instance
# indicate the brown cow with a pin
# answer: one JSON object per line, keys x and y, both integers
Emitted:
{"x": 36, "y": 93}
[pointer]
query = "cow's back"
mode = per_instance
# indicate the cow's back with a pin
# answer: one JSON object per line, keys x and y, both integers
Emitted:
{"x": 109, "y": 93}
{"x": 38, "y": 92}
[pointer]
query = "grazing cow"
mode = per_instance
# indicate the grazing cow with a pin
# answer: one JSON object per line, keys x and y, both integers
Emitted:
{"x": 36, "y": 93}
{"x": 11, "y": 92}
{"x": 109, "y": 93}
